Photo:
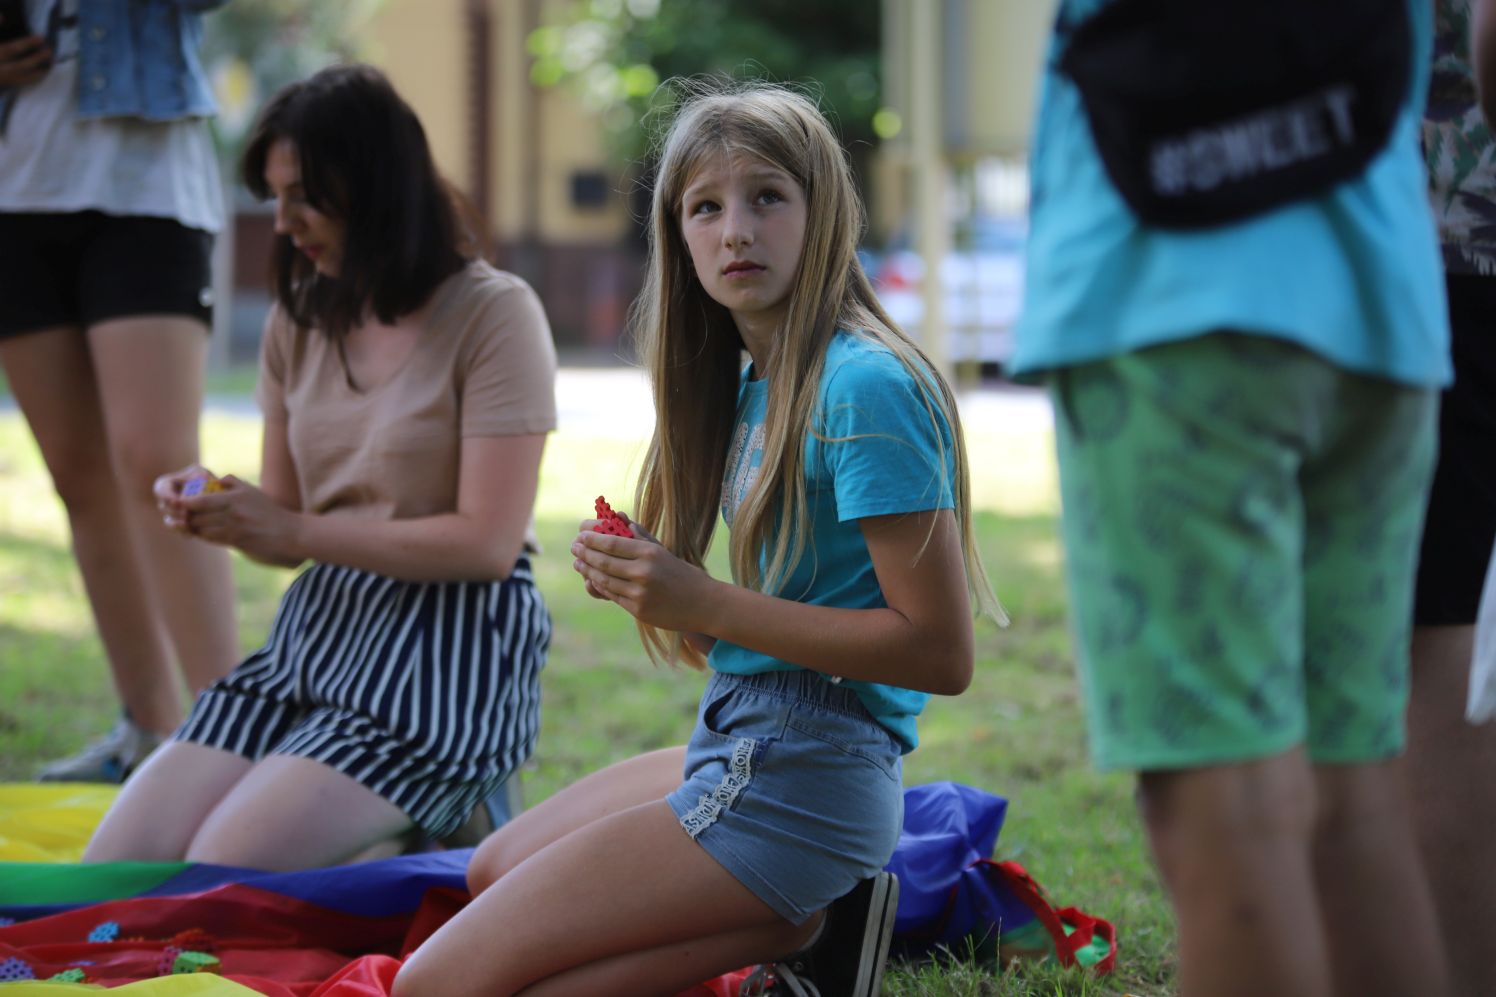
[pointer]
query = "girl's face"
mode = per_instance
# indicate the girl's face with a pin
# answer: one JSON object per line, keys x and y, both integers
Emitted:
{"x": 317, "y": 236}
{"x": 744, "y": 224}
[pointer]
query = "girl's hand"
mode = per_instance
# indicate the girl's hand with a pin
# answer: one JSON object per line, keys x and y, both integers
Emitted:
{"x": 245, "y": 518}
{"x": 639, "y": 574}
{"x": 635, "y": 528}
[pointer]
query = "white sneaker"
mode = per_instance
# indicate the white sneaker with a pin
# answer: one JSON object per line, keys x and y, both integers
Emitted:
{"x": 109, "y": 759}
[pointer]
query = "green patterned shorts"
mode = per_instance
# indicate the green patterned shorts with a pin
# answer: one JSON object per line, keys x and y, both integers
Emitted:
{"x": 1241, "y": 522}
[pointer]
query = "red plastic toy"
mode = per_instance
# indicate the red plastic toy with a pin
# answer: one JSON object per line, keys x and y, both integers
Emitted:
{"x": 611, "y": 522}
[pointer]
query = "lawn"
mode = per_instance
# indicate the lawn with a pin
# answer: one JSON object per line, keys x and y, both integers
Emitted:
{"x": 1017, "y": 732}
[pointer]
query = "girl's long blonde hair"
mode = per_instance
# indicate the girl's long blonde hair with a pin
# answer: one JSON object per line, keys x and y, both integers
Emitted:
{"x": 694, "y": 353}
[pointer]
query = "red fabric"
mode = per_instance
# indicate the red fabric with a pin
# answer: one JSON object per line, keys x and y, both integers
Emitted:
{"x": 273, "y": 943}
{"x": 726, "y": 985}
{"x": 366, "y": 976}
{"x": 269, "y": 942}
{"x": 1066, "y": 944}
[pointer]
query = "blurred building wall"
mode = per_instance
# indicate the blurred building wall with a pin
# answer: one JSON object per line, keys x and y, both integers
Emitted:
{"x": 982, "y": 63}
{"x": 531, "y": 159}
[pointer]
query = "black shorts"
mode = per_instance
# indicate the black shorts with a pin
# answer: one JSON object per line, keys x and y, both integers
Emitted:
{"x": 1461, "y": 524}
{"x": 86, "y": 267}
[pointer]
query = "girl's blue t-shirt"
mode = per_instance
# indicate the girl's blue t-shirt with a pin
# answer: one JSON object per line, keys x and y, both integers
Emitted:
{"x": 1352, "y": 275}
{"x": 876, "y": 455}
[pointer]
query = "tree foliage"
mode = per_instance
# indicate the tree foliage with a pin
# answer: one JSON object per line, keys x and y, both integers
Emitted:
{"x": 617, "y": 52}
{"x": 252, "y": 48}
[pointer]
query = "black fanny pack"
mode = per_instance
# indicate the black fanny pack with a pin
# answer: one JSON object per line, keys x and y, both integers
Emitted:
{"x": 1210, "y": 111}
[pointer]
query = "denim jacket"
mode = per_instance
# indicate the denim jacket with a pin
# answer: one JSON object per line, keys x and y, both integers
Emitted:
{"x": 137, "y": 58}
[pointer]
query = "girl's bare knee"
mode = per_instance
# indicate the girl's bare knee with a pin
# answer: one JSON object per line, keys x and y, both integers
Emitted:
{"x": 408, "y": 981}
{"x": 492, "y": 860}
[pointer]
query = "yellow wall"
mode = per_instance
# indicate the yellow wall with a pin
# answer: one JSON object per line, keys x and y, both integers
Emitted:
{"x": 510, "y": 140}
{"x": 422, "y": 45}
{"x": 571, "y": 140}
{"x": 1011, "y": 37}
{"x": 988, "y": 83}
{"x": 538, "y": 138}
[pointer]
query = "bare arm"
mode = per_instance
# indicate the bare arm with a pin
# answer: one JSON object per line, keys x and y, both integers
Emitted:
{"x": 278, "y": 480}
{"x": 480, "y": 539}
{"x": 921, "y": 640}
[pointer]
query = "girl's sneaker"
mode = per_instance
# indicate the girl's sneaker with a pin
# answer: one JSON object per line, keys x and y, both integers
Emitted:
{"x": 848, "y": 956}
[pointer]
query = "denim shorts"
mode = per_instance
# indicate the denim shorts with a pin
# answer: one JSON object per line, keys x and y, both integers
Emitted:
{"x": 792, "y": 786}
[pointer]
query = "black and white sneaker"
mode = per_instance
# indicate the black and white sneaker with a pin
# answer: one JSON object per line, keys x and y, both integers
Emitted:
{"x": 848, "y": 956}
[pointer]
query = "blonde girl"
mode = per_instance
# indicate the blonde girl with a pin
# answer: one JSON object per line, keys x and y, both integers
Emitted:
{"x": 835, "y": 456}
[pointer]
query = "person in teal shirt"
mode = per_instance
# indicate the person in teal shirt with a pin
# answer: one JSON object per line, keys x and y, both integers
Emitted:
{"x": 1244, "y": 418}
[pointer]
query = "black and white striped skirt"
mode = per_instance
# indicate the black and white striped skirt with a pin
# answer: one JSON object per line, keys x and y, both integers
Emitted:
{"x": 428, "y": 693}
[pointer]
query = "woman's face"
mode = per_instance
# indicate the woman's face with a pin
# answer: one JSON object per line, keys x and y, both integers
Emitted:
{"x": 743, "y": 221}
{"x": 317, "y": 236}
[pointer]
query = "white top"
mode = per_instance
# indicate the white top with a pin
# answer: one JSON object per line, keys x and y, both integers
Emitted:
{"x": 51, "y": 161}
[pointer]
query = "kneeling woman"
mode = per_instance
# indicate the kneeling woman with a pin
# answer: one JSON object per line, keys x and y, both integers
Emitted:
{"x": 407, "y": 388}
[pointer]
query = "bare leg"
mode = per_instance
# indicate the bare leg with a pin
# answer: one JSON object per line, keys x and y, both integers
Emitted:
{"x": 150, "y": 374}
{"x": 1233, "y": 845}
{"x": 161, "y": 808}
{"x": 294, "y": 813}
{"x": 1451, "y": 765}
{"x": 641, "y": 779}
{"x": 690, "y": 963}
{"x": 1379, "y": 915}
{"x": 52, "y": 377}
{"x": 626, "y": 904}
{"x": 205, "y": 805}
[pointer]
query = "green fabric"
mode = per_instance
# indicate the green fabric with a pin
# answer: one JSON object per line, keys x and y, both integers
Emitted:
{"x": 1241, "y": 521}
{"x": 23, "y": 883}
{"x": 1089, "y": 955}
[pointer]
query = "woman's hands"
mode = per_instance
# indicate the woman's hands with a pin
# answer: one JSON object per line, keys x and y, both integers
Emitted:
{"x": 24, "y": 61}
{"x": 643, "y": 577}
{"x": 237, "y": 515}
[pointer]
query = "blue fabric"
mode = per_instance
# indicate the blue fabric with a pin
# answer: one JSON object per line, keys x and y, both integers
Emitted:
{"x": 1353, "y": 275}
{"x": 948, "y": 827}
{"x": 878, "y": 457}
{"x": 138, "y": 58}
{"x": 375, "y": 889}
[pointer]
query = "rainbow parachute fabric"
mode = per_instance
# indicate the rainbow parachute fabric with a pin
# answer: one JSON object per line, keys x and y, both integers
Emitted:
{"x": 195, "y": 930}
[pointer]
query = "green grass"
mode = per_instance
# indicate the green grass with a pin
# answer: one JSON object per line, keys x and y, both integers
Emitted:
{"x": 1017, "y": 732}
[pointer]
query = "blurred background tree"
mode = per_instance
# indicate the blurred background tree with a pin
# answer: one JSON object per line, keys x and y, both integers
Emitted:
{"x": 252, "y": 48}
{"x": 616, "y": 53}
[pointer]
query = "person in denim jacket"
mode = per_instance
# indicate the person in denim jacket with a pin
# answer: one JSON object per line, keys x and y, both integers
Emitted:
{"x": 115, "y": 37}
{"x": 109, "y": 199}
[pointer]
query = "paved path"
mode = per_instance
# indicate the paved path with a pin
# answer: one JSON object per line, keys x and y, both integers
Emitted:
{"x": 615, "y": 401}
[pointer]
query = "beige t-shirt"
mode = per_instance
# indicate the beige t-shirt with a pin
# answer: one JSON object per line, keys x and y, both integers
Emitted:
{"x": 485, "y": 365}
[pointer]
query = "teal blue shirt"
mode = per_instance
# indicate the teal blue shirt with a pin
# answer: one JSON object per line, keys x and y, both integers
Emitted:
{"x": 877, "y": 456}
{"x": 1353, "y": 275}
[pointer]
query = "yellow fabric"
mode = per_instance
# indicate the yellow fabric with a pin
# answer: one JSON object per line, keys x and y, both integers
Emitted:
{"x": 181, "y": 985}
{"x": 50, "y": 822}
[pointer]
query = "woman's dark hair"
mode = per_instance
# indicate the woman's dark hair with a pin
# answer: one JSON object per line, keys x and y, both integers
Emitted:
{"x": 365, "y": 161}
